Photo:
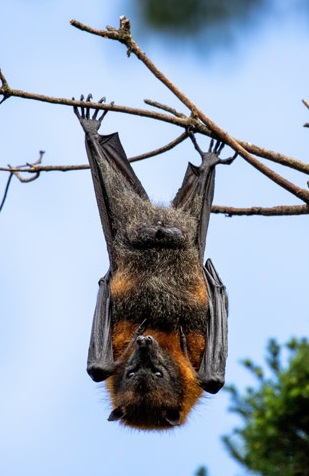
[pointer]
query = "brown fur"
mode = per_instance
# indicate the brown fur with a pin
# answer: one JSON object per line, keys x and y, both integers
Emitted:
{"x": 162, "y": 282}
{"x": 169, "y": 341}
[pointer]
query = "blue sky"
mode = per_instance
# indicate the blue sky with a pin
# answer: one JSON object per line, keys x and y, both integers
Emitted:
{"x": 53, "y": 417}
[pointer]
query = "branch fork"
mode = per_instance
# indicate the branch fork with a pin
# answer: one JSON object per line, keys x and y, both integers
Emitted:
{"x": 196, "y": 121}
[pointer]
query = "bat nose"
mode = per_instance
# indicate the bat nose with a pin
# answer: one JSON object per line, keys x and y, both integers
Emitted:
{"x": 160, "y": 234}
{"x": 144, "y": 341}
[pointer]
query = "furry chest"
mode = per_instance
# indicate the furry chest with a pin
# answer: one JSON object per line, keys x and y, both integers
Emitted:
{"x": 166, "y": 302}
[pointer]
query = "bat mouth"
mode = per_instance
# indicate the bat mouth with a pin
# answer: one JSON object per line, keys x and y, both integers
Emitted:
{"x": 158, "y": 236}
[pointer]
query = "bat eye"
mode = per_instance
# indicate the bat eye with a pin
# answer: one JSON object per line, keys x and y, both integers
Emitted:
{"x": 130, "y": 374}
{"x": 158, "y": 374}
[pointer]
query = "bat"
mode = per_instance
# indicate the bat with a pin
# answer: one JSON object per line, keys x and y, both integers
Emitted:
{"x": 159, "y": 332}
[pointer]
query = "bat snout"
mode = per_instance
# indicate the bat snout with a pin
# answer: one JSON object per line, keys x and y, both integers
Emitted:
{"x": 144, "y": 341}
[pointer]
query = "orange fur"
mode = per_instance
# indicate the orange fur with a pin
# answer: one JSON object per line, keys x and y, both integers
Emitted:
{"x": 122, "y": 283}
{"x": 170, "y": 341}
{"x": 199, "y": 292}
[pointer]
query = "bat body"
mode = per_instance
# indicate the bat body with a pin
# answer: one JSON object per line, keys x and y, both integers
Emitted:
{"x": 159, "y": 334}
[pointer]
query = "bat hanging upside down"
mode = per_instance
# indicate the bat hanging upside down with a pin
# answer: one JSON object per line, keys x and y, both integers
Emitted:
{"x": 159, "y": 334}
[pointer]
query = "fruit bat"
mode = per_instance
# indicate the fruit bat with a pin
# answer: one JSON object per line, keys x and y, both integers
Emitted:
{"x": 159, "y": 333}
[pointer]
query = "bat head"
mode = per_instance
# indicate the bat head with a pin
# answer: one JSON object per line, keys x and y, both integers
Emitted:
{"x": 148, "y": 388}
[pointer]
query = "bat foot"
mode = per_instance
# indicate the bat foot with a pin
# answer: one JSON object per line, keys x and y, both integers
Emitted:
{"x": 91, "y": 125}
{"x": 215, "y": 147}
{"x": 229, "y": 160}
{"x": 214, "y": 150}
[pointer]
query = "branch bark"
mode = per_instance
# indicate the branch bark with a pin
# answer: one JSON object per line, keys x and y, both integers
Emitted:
{"x": 197, "y": 120}
{"x": 175, "y": 118}
{"x": 281, "y": 210}
{"x": 123, "y": 35}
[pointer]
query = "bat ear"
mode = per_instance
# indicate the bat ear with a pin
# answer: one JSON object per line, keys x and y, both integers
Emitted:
{"x": 116, "y": 414}
{"x": 172, "y": 417}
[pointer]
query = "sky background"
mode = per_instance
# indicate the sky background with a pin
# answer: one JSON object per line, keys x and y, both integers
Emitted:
{"x": 53, "y": 417}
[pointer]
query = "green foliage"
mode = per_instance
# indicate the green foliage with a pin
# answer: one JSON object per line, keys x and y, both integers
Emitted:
{"x": 202, "y": 471}
{"x": 275, "y": 436}
{"x": 189, "y": 16}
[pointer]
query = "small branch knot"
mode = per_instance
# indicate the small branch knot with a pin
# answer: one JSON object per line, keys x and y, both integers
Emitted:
{"x": 125, "y": 24}
{"x": 5, "y": 89}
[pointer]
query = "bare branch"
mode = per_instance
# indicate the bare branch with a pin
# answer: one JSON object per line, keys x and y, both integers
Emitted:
{"x": 179, "y": 119}
{"x": 164, "y": 107}
{"x": 306, "y": 103}
{"x": 36, "y": 169}
{"x": 5, "y": 89}
{"x": 276, "y": 157}
{"x": 6, "y": 191}
{"x": 206, "y": 127}
{"x": 123, "y": 35}
{"x": 31, "y": 169}
{"x": 253, "y": 149}
{"x": 161, "y": 150}
{"x": 282, "y": 210}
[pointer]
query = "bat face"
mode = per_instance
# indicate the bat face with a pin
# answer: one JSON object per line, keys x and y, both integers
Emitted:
{"x": 147, "y": 387}
{"x": 159, "y": 329}
{"x": 148, "y": 390}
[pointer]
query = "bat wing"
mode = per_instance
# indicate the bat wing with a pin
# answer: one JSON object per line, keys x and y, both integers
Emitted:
{"x": 195, "y": 196}
{"x": 103, "y": 150}
{"x": 106, "y": 154}
{"x": 212, "y": 369}
{"x": 100, "y": 364}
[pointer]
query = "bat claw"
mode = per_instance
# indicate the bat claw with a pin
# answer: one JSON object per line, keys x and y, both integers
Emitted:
{"x": 230, "y": 160}
{"x": 217, "y": 148}
{"x": 88, "y": 123}
{"x": 214, "y": 150}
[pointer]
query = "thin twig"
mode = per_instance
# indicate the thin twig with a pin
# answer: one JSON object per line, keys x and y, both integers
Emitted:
{"x": 123, "y": 35}
{"x": 276, "y": 157}
{"x": 6, "y": 191}
{"x": 164, "y": 107}
{"x": 281, "y": 210}
{"x": 179, "y": 119}
{"x": 35, "y": 168}
{"x": 183, "y": 122}
{"x": 253, "y": 149}
{"x": 306, "y": 103}
{"x": 44, "y": 168}
{"x": 161, "y": 150}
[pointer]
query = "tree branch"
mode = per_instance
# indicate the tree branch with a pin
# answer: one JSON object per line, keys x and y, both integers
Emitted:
{"x": 179, "y": 119}
{"x": 6, "y": 190}
{"x": 276, "y": 157}
{"x": 198, "y": 121}
{"x": 281, "y": 210}
{"x": 36, "y": 167}
{"x": 161, "y": 150}
{"x": 123, "y": 35}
